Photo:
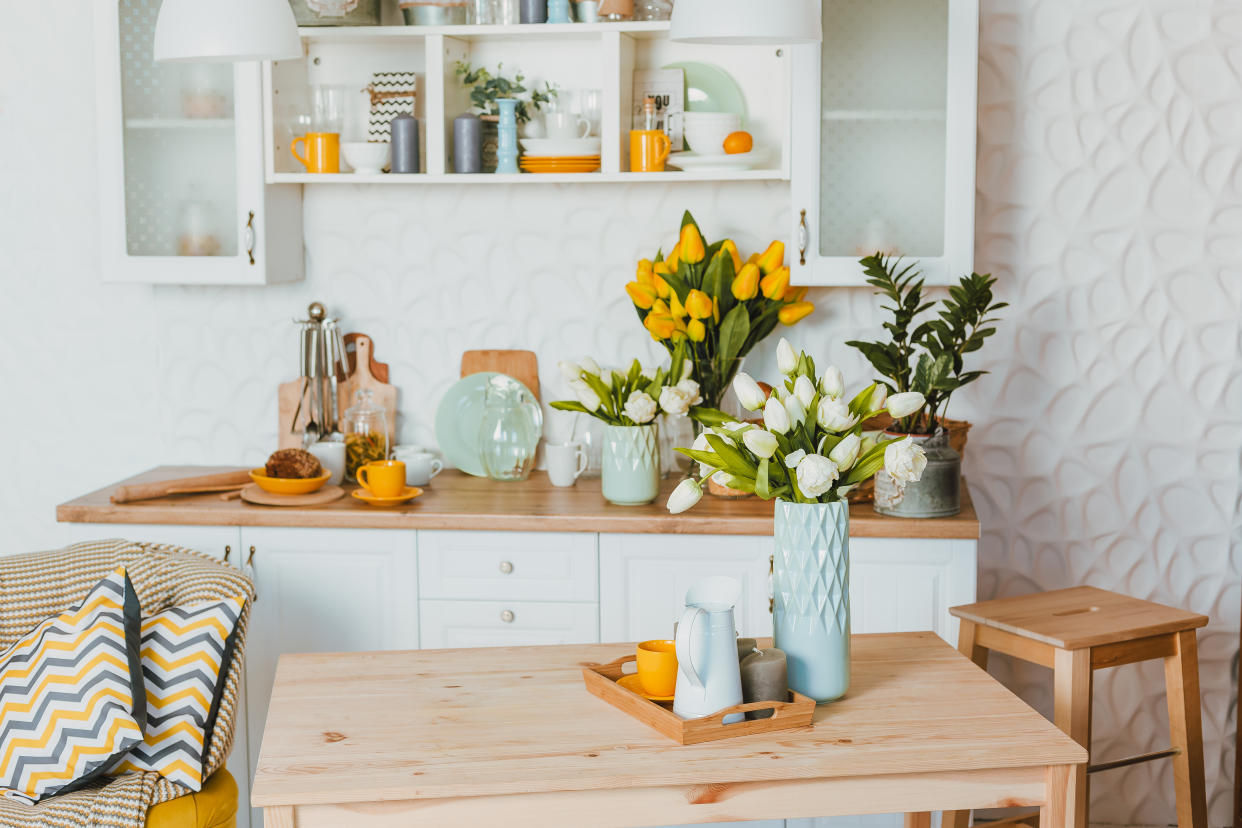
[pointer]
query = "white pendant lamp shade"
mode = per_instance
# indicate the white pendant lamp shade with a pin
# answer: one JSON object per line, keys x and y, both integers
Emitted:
{"x": 741, "y": 22}
{"x": 226, "y": 30}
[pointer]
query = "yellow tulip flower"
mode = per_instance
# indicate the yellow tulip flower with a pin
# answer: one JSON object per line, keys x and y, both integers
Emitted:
{"x": 691, "y": 244}
{"x": 643, "y": 296}
{"x": 675, "y": 307}
{"x": 661, "y": 268}
{"x": 674, "y": 258}
{"x": 696, "y": 330}
{"x": 795, "y": 313}
{"x": 775, "y": 283}
{"x": 795, "y": 294}
{"x": 660, "y": 307}
{"x": 746, "y": 283}
{"x": 645, "y": 273}
{"x": 772, "y": 258}
{"x": 731, "y": 248}
{"x": 660, "y": 326}
{"x": 661, "y": 286}
{"x": 698, "y": 304}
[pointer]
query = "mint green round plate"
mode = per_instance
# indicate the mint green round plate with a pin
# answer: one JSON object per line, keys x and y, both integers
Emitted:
{"x": 458, "y": 418}
{"x": 711, "y": 89}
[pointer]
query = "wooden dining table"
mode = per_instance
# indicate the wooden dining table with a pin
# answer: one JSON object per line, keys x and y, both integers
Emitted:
{"x": 482, "y": 736}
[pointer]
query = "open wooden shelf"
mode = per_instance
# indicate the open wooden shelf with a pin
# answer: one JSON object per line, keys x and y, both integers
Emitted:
{"x": 671, "y": 176}
{"x": 561, "y": 31}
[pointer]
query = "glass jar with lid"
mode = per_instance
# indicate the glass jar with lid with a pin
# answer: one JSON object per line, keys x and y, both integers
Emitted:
{"x": 510, "y": 429}
{"x": 366, "y": 433}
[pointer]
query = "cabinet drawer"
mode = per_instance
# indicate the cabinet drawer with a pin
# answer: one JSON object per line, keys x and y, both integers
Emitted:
{"x": 506, "y": 623}
{"x": 507, "y": 566}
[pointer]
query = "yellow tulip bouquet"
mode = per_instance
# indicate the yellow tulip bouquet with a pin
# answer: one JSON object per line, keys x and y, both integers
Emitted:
{"x": 705, "y": 298}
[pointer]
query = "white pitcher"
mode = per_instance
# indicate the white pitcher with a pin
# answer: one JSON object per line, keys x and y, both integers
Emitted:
{"x": 708, "y": 676}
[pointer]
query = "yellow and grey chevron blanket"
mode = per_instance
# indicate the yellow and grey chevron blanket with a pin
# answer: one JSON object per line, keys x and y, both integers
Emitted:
{"x": 39, "y": 585}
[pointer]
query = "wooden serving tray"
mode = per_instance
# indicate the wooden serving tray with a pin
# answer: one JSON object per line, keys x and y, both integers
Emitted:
{"x": 601, "y": 681}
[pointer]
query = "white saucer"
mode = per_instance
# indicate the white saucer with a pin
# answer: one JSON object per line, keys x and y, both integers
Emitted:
{"x": 552, "y": 147}
{"x": 689, "y": 161}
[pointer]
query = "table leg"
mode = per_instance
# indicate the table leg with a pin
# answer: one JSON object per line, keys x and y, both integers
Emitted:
{"x": 1055, "y": 812}
{"x": 1072, "y": 702}
{"x": 1181, "y": 679}
{"x": 966, "y": 637}
{"x": 278, "y": 817}
{"x": 919, "y": 820}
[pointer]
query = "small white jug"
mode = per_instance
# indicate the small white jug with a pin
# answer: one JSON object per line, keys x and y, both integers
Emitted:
{"x": 708, "y": 676}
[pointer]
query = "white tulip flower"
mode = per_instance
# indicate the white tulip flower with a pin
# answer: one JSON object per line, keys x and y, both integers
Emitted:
{"x": 641, "y": 408}
{"x": 816, "y": 474}
{"x": 691, "y": 389}
{"x": 775, "y": 417}
{"x": 786, "y": 357}
{"x": 570, "y": 370}
{"x": 722, "y": 478}
{"x": 878, "y": 396}
{"x": 804, "y": 390}
{"x": 687, "y": 371}
{"x": 794, "y": 458}
{"x": 701, "y": 444}
{"x": 610, "y": 378}
{"x": 675, "y": 400}
{"x": 846, "y": 452}
{"x": 832, "y": 383}
{"x": 749, "y": 394}
{"x": 586, "y": 395}
{"x": 762, "y": 443}
{"x": 590, "y": 366}
{"x": 795, "y": 410}
{"x": 834, "y": 415}
{"x": 904, "y": 462}
{"x": 687, "y": 493}
{"x": 903, "y": 405}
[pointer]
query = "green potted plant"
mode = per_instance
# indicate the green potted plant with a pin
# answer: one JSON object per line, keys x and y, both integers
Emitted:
{"x": 487, "y": 88}
{"x": 925, "y": 353}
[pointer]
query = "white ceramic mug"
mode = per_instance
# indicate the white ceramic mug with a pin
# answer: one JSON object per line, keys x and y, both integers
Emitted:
{"x": 567, "y": 125}
{"x": 420, "y": 464}
{"x": 331, "y": 456}
{"x": 565, "y": 463}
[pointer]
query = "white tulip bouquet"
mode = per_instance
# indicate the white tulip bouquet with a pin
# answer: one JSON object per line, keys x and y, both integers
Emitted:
{"x": 634, "y": 398}
{"x": 811, "y": 448}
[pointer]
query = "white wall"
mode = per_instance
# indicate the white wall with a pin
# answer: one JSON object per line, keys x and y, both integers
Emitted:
{"x": 1107, "y": 438}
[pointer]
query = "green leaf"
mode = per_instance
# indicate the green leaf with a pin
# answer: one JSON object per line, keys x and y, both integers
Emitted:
{"x": 735, "y": 461}
{"x": 734, "y": 330}
{"x": 710, "y": 417}
{"x": 761, "y": 481}
{"x": 570, "y": 405}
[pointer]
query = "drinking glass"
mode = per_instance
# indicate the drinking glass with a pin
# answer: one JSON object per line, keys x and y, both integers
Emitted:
{"x": 327, "y": 108}
{"x": 590, "y": 106}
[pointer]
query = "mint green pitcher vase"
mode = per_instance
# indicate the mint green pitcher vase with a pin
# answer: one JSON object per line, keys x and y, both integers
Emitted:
{"x": 631, "y": 464}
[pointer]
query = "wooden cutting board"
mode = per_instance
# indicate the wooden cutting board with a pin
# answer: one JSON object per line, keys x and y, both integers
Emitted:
{"x": 253, "y": 494}
{"x": 523, "y": 366}
{"x": 289, "y": 434}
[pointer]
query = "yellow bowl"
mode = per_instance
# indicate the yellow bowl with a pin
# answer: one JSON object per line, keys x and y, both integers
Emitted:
{"x": 288, "y": 485}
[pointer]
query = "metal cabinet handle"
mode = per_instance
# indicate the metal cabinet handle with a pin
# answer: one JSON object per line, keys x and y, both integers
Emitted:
{"x": 249, "y": 235}
{"x": 506, "y": 567}
{"x": 771, "y": 584}
{"x": 228, "y": 550}
{"x": 804, "y": 239}
{"x": 507, "y": 616}
{"x": 249, "y": 569}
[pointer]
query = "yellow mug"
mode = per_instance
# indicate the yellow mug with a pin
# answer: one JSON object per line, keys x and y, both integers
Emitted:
{"x": 382, "y": 478}
{"x": 649, "y": 149}
{"x": 323, "y": 151}
{"x": 657, "y": 666}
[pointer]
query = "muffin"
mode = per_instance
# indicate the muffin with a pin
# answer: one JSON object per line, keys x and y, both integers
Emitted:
{"x": 293, "y": 464}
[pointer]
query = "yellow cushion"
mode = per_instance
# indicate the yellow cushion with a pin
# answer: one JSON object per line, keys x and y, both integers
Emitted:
{"x": 215, "y": 806}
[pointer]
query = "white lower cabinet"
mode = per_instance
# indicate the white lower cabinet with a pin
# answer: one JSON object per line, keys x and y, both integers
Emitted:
{"x": 324, "y": 590}
{"x": 506, "y": 623}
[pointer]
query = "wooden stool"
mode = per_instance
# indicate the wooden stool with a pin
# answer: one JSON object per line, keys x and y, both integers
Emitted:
{"x": 1075, "y": 631}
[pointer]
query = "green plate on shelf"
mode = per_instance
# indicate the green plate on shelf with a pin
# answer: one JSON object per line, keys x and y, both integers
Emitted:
{"x": 458, "y": 419}
{"x": 711, "y": 89}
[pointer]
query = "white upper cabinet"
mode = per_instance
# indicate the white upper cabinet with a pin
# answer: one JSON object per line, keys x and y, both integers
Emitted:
{"x": 182, "y": 193}
{"x": 884, "y": 139}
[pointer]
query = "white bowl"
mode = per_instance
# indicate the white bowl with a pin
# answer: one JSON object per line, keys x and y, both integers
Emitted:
{"x": 546, "y": 147}
{"x": 365, "y": 157}
{"x": 706, "y": 131}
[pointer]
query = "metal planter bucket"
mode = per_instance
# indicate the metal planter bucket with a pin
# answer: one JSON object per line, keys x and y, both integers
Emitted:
{"x": 336, "y": 12}
{"x": 937, "y": 494}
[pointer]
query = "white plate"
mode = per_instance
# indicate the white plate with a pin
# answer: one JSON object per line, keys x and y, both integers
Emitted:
{"x": 693, "y": 161}
{"x": 546, "y": 147}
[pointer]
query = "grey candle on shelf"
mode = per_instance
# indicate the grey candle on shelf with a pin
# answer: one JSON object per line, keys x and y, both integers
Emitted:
{"x": 467, "y": 144}
{"x": 405, "y": 144}
{"x": 765, "y": 677}
{"x": 745, "y": 646}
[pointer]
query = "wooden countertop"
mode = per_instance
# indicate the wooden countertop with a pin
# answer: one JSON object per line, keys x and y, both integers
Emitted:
{"x": 458, "y": 501}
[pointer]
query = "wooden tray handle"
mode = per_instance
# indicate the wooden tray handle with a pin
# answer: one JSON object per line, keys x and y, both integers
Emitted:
{"x": 776, "y": 707}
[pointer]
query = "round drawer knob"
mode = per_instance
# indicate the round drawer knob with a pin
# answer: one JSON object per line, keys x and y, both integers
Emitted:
{"x": 507, "y": 616}
{"x": 506, "y": 567}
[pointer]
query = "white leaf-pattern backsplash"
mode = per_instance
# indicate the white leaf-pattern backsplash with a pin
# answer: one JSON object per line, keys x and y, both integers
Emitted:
{"x": 1107, "y": 438}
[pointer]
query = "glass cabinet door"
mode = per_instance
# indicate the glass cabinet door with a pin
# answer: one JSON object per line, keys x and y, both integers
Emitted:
{"x": 885, "y": 119}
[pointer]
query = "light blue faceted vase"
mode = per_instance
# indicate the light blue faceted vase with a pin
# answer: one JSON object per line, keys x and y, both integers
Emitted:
{"x": 507, "y": 143}
{"x": 811, "y": 582}
{"x": 631, "y": 464}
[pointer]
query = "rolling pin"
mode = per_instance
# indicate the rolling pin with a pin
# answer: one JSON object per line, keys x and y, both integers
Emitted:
{"x": 218, "y": 482}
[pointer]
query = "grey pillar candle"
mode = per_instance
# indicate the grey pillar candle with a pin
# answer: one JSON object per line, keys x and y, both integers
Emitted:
{"x": 405, "y": 144}
{"x": 765, "y": 677}
{"x": 534, "y": 11}
{"x": 467, "y": 144}
{"x": 745, "y": 646}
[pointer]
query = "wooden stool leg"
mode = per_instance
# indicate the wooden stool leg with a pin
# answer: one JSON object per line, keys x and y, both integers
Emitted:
{"x": 1072, "y": 694}
{"x": 966, "y": 638}
{"x": 919, "y": 820}
{"x": 1181, "y": 680}
{"x": 1056, "y": 811}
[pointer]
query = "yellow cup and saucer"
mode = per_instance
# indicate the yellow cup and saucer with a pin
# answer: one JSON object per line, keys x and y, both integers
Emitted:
{"x": 383, "y": 484}
{"x": 656, "y": 678}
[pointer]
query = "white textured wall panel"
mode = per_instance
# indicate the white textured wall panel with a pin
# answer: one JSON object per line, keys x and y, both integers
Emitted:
{"x": 1107, "y": 439}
